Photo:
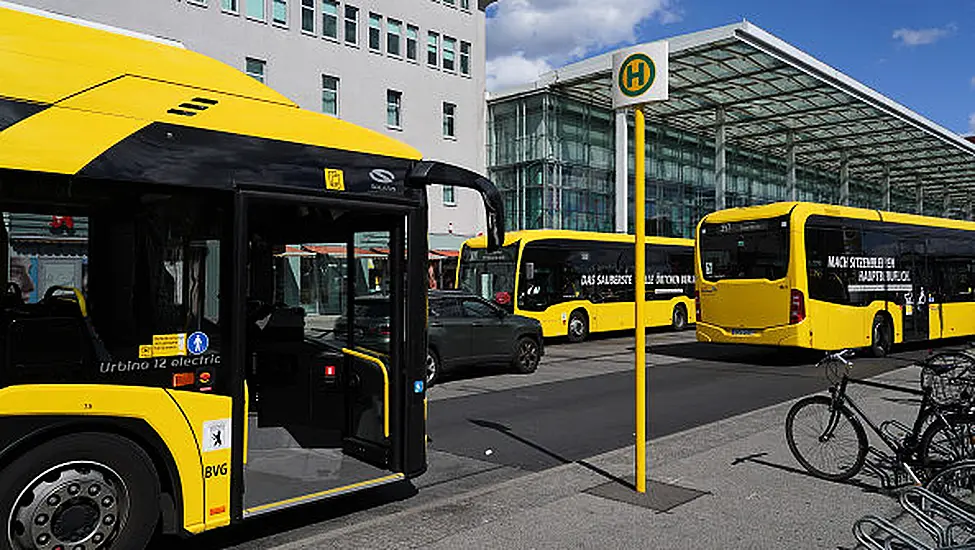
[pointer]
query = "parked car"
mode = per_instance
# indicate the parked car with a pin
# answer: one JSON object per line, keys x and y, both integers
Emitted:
{"x": 464, "y": 331}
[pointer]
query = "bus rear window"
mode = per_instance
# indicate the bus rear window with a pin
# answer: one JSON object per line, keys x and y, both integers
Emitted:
{"x": 753, "y": 249}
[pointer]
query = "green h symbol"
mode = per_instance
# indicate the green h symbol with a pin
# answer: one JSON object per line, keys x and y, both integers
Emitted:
{"x": 634, "y": 71}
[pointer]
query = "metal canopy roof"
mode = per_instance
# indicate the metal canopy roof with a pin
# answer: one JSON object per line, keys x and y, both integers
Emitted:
{"x": 768, "y": 89}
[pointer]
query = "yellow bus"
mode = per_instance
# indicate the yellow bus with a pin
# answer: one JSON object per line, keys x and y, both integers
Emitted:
{"x": 577, "y": 282}
{"x": 178, "y": 242}
{"x": 832, "y": 277}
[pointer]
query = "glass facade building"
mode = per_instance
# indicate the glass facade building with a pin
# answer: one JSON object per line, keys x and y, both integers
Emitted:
{"x": 553, "y": 157}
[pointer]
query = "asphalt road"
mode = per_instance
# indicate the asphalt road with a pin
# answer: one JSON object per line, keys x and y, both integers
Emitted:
{"x": 488, "y": 427}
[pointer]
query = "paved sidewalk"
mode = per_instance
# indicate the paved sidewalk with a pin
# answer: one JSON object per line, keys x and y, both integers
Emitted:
{"x": 755, "y": 495}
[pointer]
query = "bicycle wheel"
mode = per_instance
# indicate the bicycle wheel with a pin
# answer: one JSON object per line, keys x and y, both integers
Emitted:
{"x": 829, "y": 442}
{"x": 956, "y": 483}
{"x": 944, "y": 443}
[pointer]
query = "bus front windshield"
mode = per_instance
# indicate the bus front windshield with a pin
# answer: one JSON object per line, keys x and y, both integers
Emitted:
{"x": 490, "y": 275}
{"x": 752, "y": 249}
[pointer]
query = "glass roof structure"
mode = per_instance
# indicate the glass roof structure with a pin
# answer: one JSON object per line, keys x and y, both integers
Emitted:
{"x": 773, "y": 95}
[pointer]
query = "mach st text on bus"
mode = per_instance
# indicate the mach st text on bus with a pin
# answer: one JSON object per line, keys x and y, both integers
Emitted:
{"x": 832, "y": 277}
{"x": 577, "y": 282}
{"x": 178, "y": 243}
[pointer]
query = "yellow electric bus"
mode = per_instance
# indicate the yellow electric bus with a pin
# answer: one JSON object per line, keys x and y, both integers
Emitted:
{"x": 831, "y": 277}
{"x": 578, "y": 282}
{"x": 178, "y": 242}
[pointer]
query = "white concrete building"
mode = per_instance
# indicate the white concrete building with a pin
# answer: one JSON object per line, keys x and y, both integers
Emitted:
{"x": 412, "y": 69}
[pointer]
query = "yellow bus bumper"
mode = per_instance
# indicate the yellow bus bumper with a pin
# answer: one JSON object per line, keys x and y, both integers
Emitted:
{"x": 790, "y": 335}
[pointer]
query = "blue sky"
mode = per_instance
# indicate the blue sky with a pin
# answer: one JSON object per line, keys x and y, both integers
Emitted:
{"x": 921, "y": 54}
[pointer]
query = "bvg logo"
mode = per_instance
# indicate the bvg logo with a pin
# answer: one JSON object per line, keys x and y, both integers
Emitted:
{"x": 637, "y": 75}
{"x": 215, "y": 470}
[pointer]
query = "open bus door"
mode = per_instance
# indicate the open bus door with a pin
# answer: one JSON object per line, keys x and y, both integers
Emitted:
{"x": 325, "y": 324}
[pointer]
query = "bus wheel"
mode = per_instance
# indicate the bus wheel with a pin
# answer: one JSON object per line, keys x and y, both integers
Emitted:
{"x": 578, "y": 326}
{"x": 678, "y": 319}
{"x": 84, "y": 490}
{"x": 881, "y": 336}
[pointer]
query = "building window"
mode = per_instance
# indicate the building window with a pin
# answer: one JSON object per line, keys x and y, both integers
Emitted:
{"x": 330, "y": 19}
{"x": 394, "y": 31}
{"x": 229, "y": 5}
{"x": 465, "y": 58}
{"x": 449, "y": 195}
{"x": 330, "y": 95}
{"x": 449, "y": 51}
{"x": 351, "y": 24}
{"x": 375, "y": 31}
{"x": 412, "y": 35}
{"x": 308, "y": 16}
{"x": 451, "y": 3}
{"x": 279, "y": 12}
{"x": 465, "y": 5}
{"x": 433, "y": 47}
{"x": 394, "y": 106}
{"x": 255, "y": 68}
{"x": 255, "y": 9}
{"x": 449, "y": 114}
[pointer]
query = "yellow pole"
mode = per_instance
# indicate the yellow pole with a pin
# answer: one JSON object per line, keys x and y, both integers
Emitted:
{"x": 639, "y": 201}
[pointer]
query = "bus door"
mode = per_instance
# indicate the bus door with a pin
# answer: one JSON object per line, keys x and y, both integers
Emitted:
{"x": 916, "y": 310}
{"x": 324, "y": 320}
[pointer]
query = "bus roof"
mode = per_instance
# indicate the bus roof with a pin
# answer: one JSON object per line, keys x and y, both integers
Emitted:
{"x": 806, "y": 209}
{"x": 530, "y": 235}
{"x": 71, "y": 92}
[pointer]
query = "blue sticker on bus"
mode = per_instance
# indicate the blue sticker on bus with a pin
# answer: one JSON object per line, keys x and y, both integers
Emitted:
{"x": 418, "y": 386}
{"x": 197, "y": 343}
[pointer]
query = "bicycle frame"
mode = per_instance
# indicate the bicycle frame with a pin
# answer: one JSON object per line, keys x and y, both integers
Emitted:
{"x": 902, "y": 450}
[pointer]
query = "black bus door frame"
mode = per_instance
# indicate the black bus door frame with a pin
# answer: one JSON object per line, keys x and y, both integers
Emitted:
{"x": 407, "y": 406}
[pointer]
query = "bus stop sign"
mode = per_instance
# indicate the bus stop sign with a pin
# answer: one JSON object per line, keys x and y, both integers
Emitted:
{"x": 640, "y": 74}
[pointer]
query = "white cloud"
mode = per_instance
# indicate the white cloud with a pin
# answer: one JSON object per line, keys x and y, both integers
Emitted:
{"x": 512, "y": 70}
{"x": 525, "y": 37}
{"x": 971, "y": 123}
{"x": 973, "y": 82}
{"x": 919, "y": 37}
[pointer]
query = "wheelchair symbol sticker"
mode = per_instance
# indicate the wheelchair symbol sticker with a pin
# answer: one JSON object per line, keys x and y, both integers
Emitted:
{"x": 418, "y": 386}
{"x": 197, "y": 343}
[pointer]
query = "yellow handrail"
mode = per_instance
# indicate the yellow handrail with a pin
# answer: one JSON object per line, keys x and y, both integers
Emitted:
{"x": 382, "y": 368}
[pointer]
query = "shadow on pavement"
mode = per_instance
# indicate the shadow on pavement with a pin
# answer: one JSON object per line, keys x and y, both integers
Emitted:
{"x": 770, "y": 356}
{"x": 505, "y": 430}
{"x": 765, "y": 356}
{"x": 757, "y": 459}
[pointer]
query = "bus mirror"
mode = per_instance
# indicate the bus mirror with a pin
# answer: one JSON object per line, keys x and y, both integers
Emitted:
{"x": 530, "y": 271}
{"x": 426, "y": 173}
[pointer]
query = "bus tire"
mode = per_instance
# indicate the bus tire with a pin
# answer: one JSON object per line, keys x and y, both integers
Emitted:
{"x": 578, "y": 328}
{"x": 81, "y": 489}
{"x": 678, "y": 319}
{"x": 881, "y": 336}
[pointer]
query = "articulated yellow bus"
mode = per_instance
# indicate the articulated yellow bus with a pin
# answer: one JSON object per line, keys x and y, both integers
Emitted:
{"x": 178, "y": 243}
{"x": 577, "y": 282}
{"x": 832, "y": 277}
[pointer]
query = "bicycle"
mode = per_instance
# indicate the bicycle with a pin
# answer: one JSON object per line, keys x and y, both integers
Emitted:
{"x": 937, "y": 438}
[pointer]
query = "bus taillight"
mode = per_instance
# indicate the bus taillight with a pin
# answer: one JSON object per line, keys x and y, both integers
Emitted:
{"x": 797, "y": 309}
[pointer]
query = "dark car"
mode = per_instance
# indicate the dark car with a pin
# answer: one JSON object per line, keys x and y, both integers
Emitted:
{"x": 464, "y": 331}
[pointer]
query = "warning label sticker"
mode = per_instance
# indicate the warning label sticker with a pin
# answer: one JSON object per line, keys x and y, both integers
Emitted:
{"x": 168, "y": 345}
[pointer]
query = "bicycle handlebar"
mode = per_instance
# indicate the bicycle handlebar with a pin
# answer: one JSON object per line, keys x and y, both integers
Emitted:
{"x": 840, "y": 356}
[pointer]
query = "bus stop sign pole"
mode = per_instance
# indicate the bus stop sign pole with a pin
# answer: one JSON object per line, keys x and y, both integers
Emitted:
{"x": 640, "y": 77}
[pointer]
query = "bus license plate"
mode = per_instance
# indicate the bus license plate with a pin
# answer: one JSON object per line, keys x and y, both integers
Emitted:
{"x": 742, "y": 331}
